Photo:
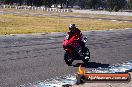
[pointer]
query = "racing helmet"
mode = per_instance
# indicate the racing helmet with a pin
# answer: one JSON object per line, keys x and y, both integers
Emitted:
{"x": 72, "y": 27}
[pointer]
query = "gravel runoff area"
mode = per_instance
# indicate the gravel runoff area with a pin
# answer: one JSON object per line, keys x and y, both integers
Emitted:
{"x": 103, "y": 12}
{"x": 114, "y": 84}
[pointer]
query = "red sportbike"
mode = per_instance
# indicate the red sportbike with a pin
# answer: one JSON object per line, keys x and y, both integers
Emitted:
{"x": 74, "y": 51}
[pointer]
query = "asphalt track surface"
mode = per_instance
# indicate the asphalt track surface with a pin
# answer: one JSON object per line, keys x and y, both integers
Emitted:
{"x": 36, "y": 57}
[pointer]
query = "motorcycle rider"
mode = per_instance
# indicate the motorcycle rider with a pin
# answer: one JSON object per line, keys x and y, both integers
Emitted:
{"x": 75, "y": 34}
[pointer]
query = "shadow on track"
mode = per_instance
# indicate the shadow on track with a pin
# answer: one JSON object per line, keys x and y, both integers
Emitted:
{"x": 91, "y": 65}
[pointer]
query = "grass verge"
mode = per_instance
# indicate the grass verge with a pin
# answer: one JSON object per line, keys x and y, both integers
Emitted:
{"x": 16, "y": 24}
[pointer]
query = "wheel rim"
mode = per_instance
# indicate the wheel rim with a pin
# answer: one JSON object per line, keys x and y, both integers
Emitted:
{"x": 69, "y": 59}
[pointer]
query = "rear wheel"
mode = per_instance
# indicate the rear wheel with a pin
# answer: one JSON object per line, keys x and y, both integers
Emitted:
{"x": 68, "y": 59}
{"x": 80, "y": 79}
{"x": 86, "y": 56}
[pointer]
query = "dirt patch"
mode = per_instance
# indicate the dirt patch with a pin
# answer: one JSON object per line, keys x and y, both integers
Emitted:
{"x": 5, "y": 20}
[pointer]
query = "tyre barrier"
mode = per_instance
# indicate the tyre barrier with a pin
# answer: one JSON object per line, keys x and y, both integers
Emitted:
{"x": 36, "y": 8}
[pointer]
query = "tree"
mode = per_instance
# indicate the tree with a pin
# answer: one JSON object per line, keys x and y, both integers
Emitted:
{"x": 1, "y": 1}
{"x": 37, "y": 2}
{"x": 29, "y": 2}
{"x": 82, "y": 4}
{"x": 62, "y": 2}
{"x": 93, "y": 4}
{"x": 113, "y": 5}
{"x": 7, "y": 1}
{"x": 116, "y": 5}
{"x": 130, "y": 4}
{"x": 48, "y": 3}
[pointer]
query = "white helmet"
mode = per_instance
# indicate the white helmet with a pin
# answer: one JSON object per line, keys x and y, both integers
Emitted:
{"x": 72, "y": 27}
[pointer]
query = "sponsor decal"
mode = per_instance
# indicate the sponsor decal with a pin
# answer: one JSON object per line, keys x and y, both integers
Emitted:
{"x": 83, "y": 76}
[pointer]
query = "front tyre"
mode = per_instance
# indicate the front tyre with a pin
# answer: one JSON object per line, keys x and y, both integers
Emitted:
{"x": 86, "y": 56}
{"x": 68, "y": 59}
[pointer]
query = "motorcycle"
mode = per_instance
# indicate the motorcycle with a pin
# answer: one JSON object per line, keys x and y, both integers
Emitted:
{"x": 73, "y": 51}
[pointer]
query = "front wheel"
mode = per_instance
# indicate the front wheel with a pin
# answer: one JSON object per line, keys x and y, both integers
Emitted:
{"x": 86, "y": 56}
{"x": 68, "y": 59}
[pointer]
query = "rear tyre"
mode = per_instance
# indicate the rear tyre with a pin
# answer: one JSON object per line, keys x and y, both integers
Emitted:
{"x": 86, "y": 56}
{"x": 80, "y": 79}
{"x": 68, "y": 59}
